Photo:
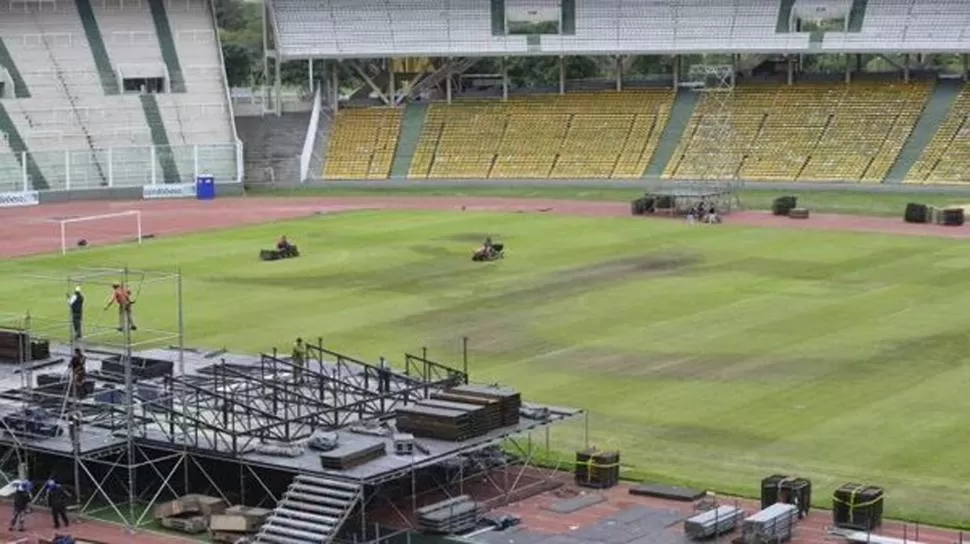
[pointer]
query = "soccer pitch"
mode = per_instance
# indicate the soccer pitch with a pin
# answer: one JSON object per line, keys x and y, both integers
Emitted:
{"x": 709, "y": 355}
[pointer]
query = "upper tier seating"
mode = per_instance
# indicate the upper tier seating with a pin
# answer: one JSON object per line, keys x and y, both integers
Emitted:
{"x": 576, "y": 135}
{"x": 806, "y": 132}
{"x": 947, "y": 157}
{"x": 910, "y": 25}
{"x": 80, "y": 131}
{"x": 463, "y": 27}
{"x": 362, "y": 143}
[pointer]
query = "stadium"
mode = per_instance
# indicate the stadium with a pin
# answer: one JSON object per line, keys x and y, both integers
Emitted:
{"x": 290, "y": 198}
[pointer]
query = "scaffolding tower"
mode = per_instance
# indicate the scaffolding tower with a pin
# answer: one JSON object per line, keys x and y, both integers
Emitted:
{"x": 98, "y": 454}
{"x": 720, "y": 168}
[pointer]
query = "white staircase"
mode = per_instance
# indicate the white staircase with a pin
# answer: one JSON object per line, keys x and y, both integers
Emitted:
{"x": 310, "y": 512}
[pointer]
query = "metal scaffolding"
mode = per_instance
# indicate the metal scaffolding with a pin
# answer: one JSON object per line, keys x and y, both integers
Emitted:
{"x": 102, "y": 427}
{"x": 720, "y": 169}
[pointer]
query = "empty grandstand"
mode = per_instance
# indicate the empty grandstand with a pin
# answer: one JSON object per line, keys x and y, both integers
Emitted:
{"x": 947, "y": 157}
{"x": 806, "y": 132}
{"x": 784, "y": 125}
{"x": 362, "y": 144}
{"x": 112, "y": 93}
{"x": 577, "y": 135}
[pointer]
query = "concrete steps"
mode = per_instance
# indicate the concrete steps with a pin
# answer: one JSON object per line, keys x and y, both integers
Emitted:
{"x": 102, "y": 61}
{"x": 6, "y": 61}
{"x": 15, "y": 142}
{"x": 163, "y": 148}
{"x": 680, "y": 115}
{"x": 272, "y": 147}
{"x": 167, "y": 43}
{"x": 407, "y": 143}
{"x": 935, "y": 111}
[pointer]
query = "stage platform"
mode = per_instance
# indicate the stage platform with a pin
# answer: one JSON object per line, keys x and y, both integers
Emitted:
{"x": 232, "y": 406}
{"x": 383, "y": 468}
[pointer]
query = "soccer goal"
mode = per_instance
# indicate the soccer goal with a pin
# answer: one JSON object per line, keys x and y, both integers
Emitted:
{"x": 96, "y": 230}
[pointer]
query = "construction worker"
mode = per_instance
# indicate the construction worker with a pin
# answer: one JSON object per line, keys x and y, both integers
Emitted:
{"x": 298, "y": 358}
{"x": 78, "y": 372}
{"x": 21, "y": 501}
{"x": 121, "y": 296}
{"x": 76, "y": 302}
{"x": 57, "y": 501}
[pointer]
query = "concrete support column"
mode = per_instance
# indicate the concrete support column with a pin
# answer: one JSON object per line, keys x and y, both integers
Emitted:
{"x": 335, "y": 85}
{"x": 391, "y": 84}
{"x": 906, "y": 60}
{"x": 791, "y": 70}
{"x": 676, "y": 59}
{"x": 848, "y": 68}
{"x": 309, "y": 67}
{"x": 505, "y": 78}
{"x": 278, "y": 86}
{"x": 562, "y": 74}
{"x": 618, "y": 68}
{"x": 965, "y": 58}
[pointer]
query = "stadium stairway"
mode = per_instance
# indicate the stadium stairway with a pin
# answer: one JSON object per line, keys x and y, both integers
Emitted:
{"x": 273, "y": 143}
{"x": 784, "y": 16}
{"x": 934, "y": 113}
{"x": 16, "y": 143}
{"x": 311, "y": 510}
{"x": 680, "y": 115}
{"x": 20, "y": 89}
{"x": 857, "y": 15}
{"x": 407, "y": 142}
{"x": 167, "y": 43}
{"x": 106, "y": 72}
{"x": 163, "y": 149}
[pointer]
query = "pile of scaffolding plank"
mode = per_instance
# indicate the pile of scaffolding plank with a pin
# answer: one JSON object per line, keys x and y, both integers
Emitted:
{"x": 713, "y": 522}
{"x": 457, "y": 515}
{"x": 773, "y": 524}
{"x": 455, "y": 423}
{"x": 353, "y": 452}
{"x": 491, "y": 407}
{"x": 510, "y": 401}
{"x": 237, "y": 522}
{"x": 461, "y": 413}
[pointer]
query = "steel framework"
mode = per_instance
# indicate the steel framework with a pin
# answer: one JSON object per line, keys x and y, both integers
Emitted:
{"x": 232, "y": 409}
{"x": 130, "y": 440}
{"x": 720, "y": 169}
{"x": 101, "y": 437}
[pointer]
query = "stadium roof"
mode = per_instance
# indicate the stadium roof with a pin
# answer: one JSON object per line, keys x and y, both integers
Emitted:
{"x": 468, "y": 28}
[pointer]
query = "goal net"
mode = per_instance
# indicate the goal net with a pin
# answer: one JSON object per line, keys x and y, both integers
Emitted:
{"x": 100, "y": 230}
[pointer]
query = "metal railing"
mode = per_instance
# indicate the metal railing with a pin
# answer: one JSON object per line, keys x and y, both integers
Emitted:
{"x": 133, "y": 166}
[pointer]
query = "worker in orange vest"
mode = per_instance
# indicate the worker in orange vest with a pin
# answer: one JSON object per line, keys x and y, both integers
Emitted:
{"x": 121, "y": 296}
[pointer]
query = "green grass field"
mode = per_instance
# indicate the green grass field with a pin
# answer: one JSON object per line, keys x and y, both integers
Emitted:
{"x": 709, "y": 355}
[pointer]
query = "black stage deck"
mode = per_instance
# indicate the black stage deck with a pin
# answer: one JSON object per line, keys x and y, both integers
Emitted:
{"x": 152, "y": 431}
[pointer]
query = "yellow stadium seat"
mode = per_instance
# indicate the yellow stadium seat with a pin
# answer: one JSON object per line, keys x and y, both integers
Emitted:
{"x": 362, "y": 144}
{"x": 946, "y": 158}
{"x": 592, "y": 135}
{"x": 803, "y": 132}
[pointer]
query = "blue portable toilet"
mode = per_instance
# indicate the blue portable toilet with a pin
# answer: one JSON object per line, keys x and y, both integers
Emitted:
{"x": 205, "y": 187}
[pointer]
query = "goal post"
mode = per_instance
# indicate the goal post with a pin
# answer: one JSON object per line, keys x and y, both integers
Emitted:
{"x": 108, "y": 228}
